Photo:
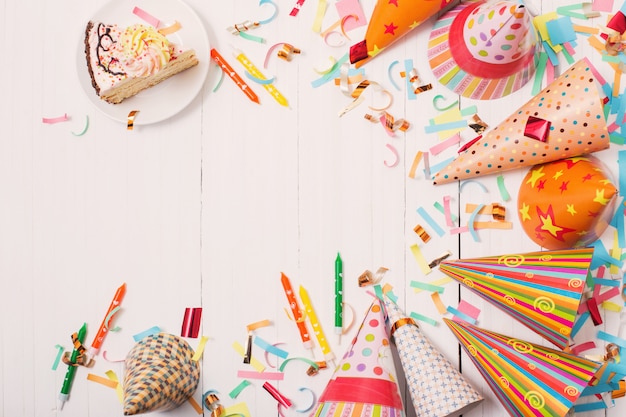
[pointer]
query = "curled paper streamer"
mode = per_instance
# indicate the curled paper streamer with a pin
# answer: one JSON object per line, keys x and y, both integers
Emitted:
{"x": 60, "y": 350}
{"x": 273, "y": 391}
{"x": 147, "y": 17}
{"x": 269, "y": 19}
{"x": 396, "y": 159}
{"x": 237, "y": 28}
{"x": 311, "y": 404}
{"x": 211, "y": 402}
{"x": 423, "y": 234}
{"x": 367, "y": 278}
{"x": 308, "y": 361}
{"x": 285, "y": 53}
{"x": 314, "y": 370}
{"x": 82, "y": 132}
{"x": 173, "y": 28}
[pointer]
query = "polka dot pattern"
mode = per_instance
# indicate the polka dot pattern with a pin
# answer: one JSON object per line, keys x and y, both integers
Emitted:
{"x": 572, "y": 105}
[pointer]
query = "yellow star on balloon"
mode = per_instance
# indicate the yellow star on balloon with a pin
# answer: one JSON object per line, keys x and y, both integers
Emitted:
{"x": 548, "y": 225}
{"x": 557, "y": 175}
{"x": 571, "y": 210}
{"x": 600, "y": 198}
{"x": 535, "y": 175}
{"x": 524, "y": 212}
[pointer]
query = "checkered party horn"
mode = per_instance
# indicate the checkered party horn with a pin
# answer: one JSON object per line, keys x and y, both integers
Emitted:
{"x": 160, "y": 374}
{"x": 365, "y": 383}
{"x": 436, "y": 386}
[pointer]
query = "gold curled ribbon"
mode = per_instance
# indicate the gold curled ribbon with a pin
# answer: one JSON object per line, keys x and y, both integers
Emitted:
{"x": 367, "y": 278}
{"x": 212, "y": 403}
{"x": 478, "y": 125}
{"x": 416, "y": 83}
{"x": 314, "y": 369}
{"x": 131, "y": 119}
{"x": 81, "y": 359}
{"x": 423, "y": 234}
{"x": 612, "y": 352}
{"x": 439, "y": 259}
{"x": 237, "y": 28}
{"x": 498, "y": 212}
{"x": 402, "y": 322}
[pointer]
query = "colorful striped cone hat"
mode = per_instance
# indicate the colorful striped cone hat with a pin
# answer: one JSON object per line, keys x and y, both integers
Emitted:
{"x": 364, "y": 383}
{"x": 484, "y": 49}
{"x": 528, "y": 379}
{"x": 437, "y": 388}
{"x": 540, "y": 289}
{"x": 160, "y": 374}
{"x": 390, "y": 21}
{"x": 566, "y": 119}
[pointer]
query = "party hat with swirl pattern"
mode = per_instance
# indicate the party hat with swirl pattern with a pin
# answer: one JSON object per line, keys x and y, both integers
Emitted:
{"x": 540, "y": 289}
{"x": 528, "y": 379}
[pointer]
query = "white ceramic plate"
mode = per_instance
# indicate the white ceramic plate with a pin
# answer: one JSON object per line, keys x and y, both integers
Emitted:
{"x": 172, "y": 95}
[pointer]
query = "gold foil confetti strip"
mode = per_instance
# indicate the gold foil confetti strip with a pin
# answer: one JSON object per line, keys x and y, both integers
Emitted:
{"x": 173, "y": 28}
{"x": 439, "y": 259}
{"x": 287, "y": 51}
{"x": 314, "y": 370}
{"x": 367, "y": 278}
{"x": 478, "y": 125}
{"x": 237, "y": 28}
{"x": 212, "y": 403}
{"x": 423, "y": 234}
{"x": 131, "y": 119}
{"x": 498, "y": 212}
{"x": 248, "y": 355}
{"x": 415, "y": 82}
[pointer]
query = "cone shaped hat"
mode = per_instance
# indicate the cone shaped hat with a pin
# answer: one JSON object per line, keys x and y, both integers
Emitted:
{"x": 528, "y": 379}
{"x": 540, "y": 289}
{"x": 390, "y": 21}
{"x": 364, "y": 383}
{"x": 160, "y": 374}
{"x": 484, "y": 50}
{"x": 565, "y": 119}
{"x": 437, "y": 388}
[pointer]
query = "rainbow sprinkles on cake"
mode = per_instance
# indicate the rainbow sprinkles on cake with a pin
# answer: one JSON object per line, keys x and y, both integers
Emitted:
{"x": 123, "y": 61}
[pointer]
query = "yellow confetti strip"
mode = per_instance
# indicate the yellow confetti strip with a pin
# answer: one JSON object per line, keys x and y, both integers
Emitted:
{"x": 102, "y": 380}
{"x": 200, "y": 349}
{"x": 611, "y": 306}
{"x": 421, "y": 261}
{"x": 439, "y": 282}
{"x": 254, "y": 362}
{"x": 616, "y": 253}
{"x": 118, "y": 389}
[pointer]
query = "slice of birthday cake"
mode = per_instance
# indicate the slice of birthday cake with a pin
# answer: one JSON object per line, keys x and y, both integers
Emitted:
{"x": 125, "y": 61}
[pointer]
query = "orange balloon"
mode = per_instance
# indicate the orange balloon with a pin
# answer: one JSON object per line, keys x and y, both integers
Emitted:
{"x": 567, "y": 203}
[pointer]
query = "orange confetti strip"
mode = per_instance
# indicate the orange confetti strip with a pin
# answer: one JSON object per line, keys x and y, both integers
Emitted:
{"x": 195, "y": 405}
{"x": 102, "y": 380}
{"x": 257, "y": 325}
{"x": 438, "y": 303}
{"x": 416, "y": 162}
{"x": 493, "y": 225}
{"x": 586, "y": 29}
{"x": 173, "y": 28}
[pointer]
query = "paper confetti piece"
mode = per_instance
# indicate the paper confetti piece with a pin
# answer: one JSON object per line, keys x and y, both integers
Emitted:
{"x": 417, "y": 254}
{"x": 311, "y": 403}
{"x": 191, "y": 322}
{"x": 415, "y": 164}
{"x": 274, "y": 13}
{"x": 273, "y": 391}
{"x": 426, "y": 286}
{"x": 602, "y": 335}
{"x": 471, "y": 220}
{"x": 102, "y": 380}
{"x": 305, "y": 360}
{"x": 502, "y": 188}
{"x": 351, "y": 8}
{"x": 269, "y": 348}
{"x": 173, "y": 28}
{"x": 469, "y": 309}
{"x": 431, "y": 222}
{"x": 234, "y": 393}
{"x": 200, "y": 349}
{"x": 146, "y": 333}
{"x": 273, "y": 376}
{"x": 396, "y": 156}
{"x": 82, "y": 132}
{"x": 131, "y": 119}
{"x": 389, "y": 75}
{"x": 500, "y": 225}
{"x": 439, "y": 97}
{"x": 445, "y": 126}
{"x": 145, "y": 16}
{"x": 254, "y": 362}
{"x": 192, "y": 401}
{"x": 422, "y": 318}
{"x": 53, "y": 120}
{"x": 60, "y": 350}
{"x": 118, "y": 389}
{"x": 459, "y": 315}
{"x": 442, "y": 146}
{"x": 446, "y": 211}
{"x": 441, "y": 307}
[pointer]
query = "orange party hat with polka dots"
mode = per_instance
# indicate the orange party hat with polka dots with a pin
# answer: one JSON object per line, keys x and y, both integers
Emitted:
{"x": 565, "y": 119}
{"x": 364, "y": 383}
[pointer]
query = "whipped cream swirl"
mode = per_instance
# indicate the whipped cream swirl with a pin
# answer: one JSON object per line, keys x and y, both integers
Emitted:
{"x": 146, "y": 50}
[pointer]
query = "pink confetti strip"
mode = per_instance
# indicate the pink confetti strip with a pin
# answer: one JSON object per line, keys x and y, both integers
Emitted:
{"x": 147, "y": 17}
{"x": 52, "y": 120}
{"x": 296, "y": 8}
{"x": 395, "y": 153}
{"x": 282, "y": 400}
{"x": 578, "y": 349}
{"x": 272, "y": 376}
{"x": 451, "y": 141}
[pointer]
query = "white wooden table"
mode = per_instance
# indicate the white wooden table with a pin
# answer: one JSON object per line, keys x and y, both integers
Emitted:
{"x": 207, "y": 208}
